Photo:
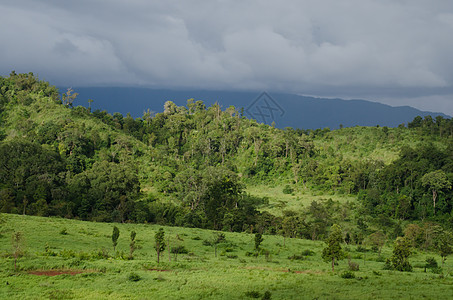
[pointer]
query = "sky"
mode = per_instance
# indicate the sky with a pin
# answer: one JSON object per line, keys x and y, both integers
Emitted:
{"x": 397, "y": 52}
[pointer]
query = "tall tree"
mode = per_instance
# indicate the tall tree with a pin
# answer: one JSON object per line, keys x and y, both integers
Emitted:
{"x": 436, "y": 181}
{"x": 159, "y": 245}
{"x": 333, "y": 249}
{"x": 115, "y": 236}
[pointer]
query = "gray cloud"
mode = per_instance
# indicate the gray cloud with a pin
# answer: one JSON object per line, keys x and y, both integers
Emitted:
{"x": 378, "y": 50}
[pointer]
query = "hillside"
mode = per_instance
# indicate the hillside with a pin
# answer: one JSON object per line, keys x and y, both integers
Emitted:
{"x": 289, "y": 110}
{"x": 208, "y": 167}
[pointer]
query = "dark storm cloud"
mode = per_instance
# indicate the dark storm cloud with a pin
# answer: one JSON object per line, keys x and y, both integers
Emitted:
{"x": 393, "y": 51}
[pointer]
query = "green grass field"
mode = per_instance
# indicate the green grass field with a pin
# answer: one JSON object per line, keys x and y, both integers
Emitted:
{"x": 199, "y": 274}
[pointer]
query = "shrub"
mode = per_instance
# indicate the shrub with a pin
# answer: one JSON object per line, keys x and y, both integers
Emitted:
{"x": 377, "y": 273}
{"x": 288, "y": 189}
{"x": 308, "y": 253}
{"x": 133, "y": 277}
{"x": 353, "y": 266}
{"x": 296, "y": 257}
{"x": 267, "y": 295}
{"x": 431, "y": 263}
{"x": 64, "y": 231}
{"x": 347, "y": 275}
{"x": 253, "y": 294}
{"x": 360, "y": 248}
{"x": 388, "y": 265}
{"x": 179, "y": 250}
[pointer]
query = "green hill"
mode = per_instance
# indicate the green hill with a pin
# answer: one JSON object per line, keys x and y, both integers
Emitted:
{"x": 198, "y": 166}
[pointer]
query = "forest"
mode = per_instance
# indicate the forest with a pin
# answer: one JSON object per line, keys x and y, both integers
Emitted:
{"x": 198, "y": 166}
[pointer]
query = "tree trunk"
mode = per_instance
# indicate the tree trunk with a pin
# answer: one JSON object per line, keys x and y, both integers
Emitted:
{"x": 434, "y": 200}
{"x": 333, "y": 264}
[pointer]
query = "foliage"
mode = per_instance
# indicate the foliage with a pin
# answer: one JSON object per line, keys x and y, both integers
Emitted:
{"x": 115, "y": 236}
{"x": 333, "y": 249}
{"x": 133, "y": 277}
{"x": 132, "y": 246}
{"x": 401, "y": 253}
{"x": 17, "y": 243}
{"x": 159, "y": 242}
{"x": 208, "y": 167}
{"x": 347, "y": 275}
{"x": 258, "y": 240}
{"x": 377, "y": 239}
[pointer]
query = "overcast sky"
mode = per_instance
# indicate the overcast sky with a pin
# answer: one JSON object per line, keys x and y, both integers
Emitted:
{"x": 398, "y": 52}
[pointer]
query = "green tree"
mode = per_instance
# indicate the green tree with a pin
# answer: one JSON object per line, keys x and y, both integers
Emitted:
{"x": 400, "y": 256}
{"x": 132, "y": 244}
{"x": 333, "y": 249}
{"x": 436, "y": 181}
{"x": 258, "y": 240}
{"x": 159, "y": 245}
{"x": 377, "y": 240}
{"x": 115, "y": 236}
{"x": 444, "y": 243}
{"x": 219, "y": 237}
{"x": 17, "y": 242}
{"x": 69, "y": 97}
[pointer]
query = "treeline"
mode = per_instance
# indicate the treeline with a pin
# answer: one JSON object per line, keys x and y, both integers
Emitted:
{"x": 189, "y": 166}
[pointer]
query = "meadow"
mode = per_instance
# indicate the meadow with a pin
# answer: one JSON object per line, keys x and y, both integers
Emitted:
{"x": 80, "y": 257}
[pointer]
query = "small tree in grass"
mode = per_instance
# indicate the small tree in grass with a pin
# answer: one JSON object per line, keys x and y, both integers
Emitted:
{"x": 333, "y": 250}
{"x": 132, "y": 245}
{"x": 377, "y": 240}
{"x": 17, "y": 242}
{"x": 401, "y": 253}
{"x": 115, "y": 236}
{"x": 159, "y": 242}
{"x": 258, "y": 240}
{"x": 444, "y": 245}
{"x": 219, "y": 237}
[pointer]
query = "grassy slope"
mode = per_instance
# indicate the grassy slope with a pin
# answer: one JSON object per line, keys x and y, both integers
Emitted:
{"x": 200, "y": 275}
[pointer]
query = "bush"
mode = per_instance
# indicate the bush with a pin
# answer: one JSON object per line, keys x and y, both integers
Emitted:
{"x": 267, "y": 295}
{"x": 253, "y": 294}
{"x": 360, "y": 248}
{"x": 388, "y": 265}
{"x": 64, "y": 231}
{"x": 431, "y": 263}
{"x": 353, "y": 266}
{"x": 296, "y": 257}
{"x": 133, "y": 277}
{"x": 308, "y": 253}
{"x": 347, "y": 275}
{"x": 250, "y": 254}
{"x": 288, "y": 189}
{"x": 179, "y": 250}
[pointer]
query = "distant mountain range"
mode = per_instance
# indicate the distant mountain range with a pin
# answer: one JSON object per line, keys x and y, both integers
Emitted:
{"x": 286, "y": 110}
